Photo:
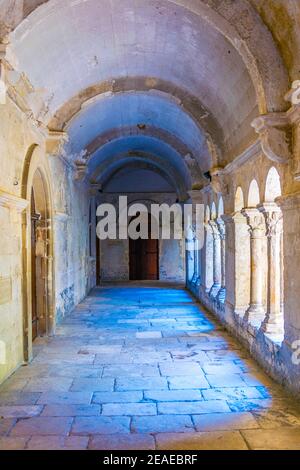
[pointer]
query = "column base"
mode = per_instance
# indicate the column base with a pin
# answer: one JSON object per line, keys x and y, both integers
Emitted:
{"x": 214, "y": 290}
{"x": 255, "y": 314}
{"x": 221, "y": 296}
{"x": 273, "y": 327}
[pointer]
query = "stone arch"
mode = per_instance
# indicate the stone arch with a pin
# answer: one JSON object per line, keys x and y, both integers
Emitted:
{"x": 221, "y": 207}
{"x": 36, "y": 180}
{"x": 253, "y": 194}
{"x": 213, "y": 211}
{"x": 239, "y": 202}
{"x": 273, "y": 185}
{"x": 207, "y": 214}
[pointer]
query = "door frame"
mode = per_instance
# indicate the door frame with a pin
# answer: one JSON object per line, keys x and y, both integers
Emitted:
{"x": 36, "y": 161}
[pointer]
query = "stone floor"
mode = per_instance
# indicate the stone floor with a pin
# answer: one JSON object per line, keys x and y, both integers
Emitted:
{"x": 142, "y": 367}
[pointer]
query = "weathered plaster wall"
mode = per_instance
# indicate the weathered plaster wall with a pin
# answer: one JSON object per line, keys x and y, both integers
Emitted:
{"x": 22, "y": 150}
{"x": 282, "y": 18}
{"x": 71, "y": 249}
{"x": 16, "y": 136}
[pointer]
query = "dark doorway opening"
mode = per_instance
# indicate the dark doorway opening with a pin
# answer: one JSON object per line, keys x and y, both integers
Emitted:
{"x": 144, "y": 258}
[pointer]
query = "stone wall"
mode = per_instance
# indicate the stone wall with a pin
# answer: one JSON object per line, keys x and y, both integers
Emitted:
{"x": 71, "y": 271}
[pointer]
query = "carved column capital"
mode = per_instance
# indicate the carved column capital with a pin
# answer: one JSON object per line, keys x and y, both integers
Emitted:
{"x": 255, "y": 221}
{"x": 273, "y": 132}
{"x": 273, "y": 218}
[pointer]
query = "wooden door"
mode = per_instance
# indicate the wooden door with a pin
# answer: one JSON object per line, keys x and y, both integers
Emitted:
{"x": 144, "y": 259}
{"x": 150, "y": 260}
{"x": 34, "y": 303}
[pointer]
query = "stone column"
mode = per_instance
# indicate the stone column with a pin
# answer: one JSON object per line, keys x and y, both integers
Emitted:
{"x": 195, "y": 274}
{"x": 222, "y": 231}
{"x": 216, "y": 259}
{"x": 207, "y": 278}
{"x": 196, "y": 199}
{"x": 273, "y": 322}
{"x": 237, "y": 264}
{"x": 256, "y": 309}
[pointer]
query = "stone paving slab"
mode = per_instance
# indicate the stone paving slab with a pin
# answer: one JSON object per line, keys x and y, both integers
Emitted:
{"x": 143, "y": 368}
{"x": 57, "y": 443}
{"x": 162, "y": 423}
{"x": 101, "y": 425}
{"x": 173, "y": 395}
{"x": 13, "y": 443}
{"x": 123, "y": 442}
{"x": 48, "y": 384}
{"x": 193, "y": 408}
{"x": 20, "y": 411}
{"x": 153, "y": 383}
{"x": 70, "y": 398}
{"x": 93, "y": 385}
{"x": 131, "y": 370}
{"x": 225, "y": 422}
{"x": 41, "y": 426}
{"x": 129, "y": 409}
{"x": 282, "y": 439}
{"x": 71, "y": 410}
{"x": 201, "y": 441}
{"x": 118, "y": 397}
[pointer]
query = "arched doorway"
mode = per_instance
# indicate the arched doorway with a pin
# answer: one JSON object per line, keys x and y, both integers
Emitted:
{"x": 144, "y": 257}
{"x": 37, "y": 241}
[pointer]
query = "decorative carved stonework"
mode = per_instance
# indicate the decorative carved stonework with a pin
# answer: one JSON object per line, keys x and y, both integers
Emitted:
{"x": 55, "y": 141}
{"x": 272, "y": 129}
{"x": 256, "y": 222}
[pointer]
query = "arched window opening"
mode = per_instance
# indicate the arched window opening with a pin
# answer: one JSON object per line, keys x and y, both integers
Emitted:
{"x": 253, "y": 196}
{"x": 239, "y": 202}
{"x": 273, "y": 186}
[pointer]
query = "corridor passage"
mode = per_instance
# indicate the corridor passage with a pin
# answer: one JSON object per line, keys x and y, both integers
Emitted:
{"x": 143, "y": 367}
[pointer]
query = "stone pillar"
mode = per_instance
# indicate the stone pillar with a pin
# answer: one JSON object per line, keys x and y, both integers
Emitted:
{"x": 273, "y": 322}
{"x": 237, "y": 264}
{"x": 190, "y": 258}
{"x": 207, "y": 278}
{"x": 195, "y": 274}
{"x": 216, "y": 259}
{"x": 256, "y": 309}
{"x": 222, "y": 231}
{"x": 196, "y": 199}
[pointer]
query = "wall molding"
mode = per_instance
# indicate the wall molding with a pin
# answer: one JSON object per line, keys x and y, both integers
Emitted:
{"x": 12, "y": 202}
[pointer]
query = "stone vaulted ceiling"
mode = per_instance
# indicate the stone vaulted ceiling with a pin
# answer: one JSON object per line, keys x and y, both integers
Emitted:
{"x": 174, "y": 82}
